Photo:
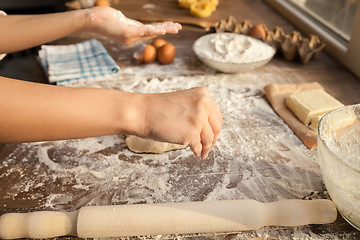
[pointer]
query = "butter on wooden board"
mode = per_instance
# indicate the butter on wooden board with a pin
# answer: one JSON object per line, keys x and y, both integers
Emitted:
{"x": 309, "y": 106}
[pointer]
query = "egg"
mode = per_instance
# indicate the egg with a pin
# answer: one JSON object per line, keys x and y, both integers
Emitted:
{"x": 158, "y": 43}
{"x": 166, "y": 54}
{"x": 258, "y": 31}
{"x": 148, "y": 56}
{"x": 102, "y": 3}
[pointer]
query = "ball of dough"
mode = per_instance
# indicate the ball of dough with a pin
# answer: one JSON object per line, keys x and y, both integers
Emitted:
{"x": 141, "y": 145}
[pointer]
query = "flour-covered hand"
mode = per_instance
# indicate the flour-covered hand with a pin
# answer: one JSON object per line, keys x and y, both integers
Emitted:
{"x": 188, "y": 117}
{"x": 115, "y": 25}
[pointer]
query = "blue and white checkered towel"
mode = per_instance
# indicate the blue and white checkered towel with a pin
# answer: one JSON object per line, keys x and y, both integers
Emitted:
{"x": 83, "y": 61}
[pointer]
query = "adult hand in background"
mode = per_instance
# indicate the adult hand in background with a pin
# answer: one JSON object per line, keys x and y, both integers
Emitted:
{"x": 114, "y": 24}
{"x": 34, "y": 30}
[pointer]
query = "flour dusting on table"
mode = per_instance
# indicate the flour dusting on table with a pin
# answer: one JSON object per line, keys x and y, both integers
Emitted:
{"x": 256, "y": 157}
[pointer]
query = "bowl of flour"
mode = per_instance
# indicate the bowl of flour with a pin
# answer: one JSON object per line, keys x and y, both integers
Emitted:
{"x": 232, "y": 52}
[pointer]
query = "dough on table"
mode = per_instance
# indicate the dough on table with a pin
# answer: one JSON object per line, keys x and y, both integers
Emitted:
{"x": 141, "y": 145}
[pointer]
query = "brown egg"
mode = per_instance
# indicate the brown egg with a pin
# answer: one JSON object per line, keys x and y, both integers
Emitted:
{"x": 148, "y": 55}
{"x": 102, "y": 3}
{"x": 258, "y": 31}
{"x": 158, "y": 43}
{"x": 166, "y": 54}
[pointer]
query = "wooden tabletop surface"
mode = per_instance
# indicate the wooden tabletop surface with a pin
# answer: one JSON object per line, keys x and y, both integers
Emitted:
{"x": 257, "y": 156}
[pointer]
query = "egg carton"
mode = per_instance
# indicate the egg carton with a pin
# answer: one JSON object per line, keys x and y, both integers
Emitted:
{"x": 291, "y": 45}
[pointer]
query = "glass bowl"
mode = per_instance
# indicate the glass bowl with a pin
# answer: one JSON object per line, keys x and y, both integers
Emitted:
{"x": 339, "y": 158}
{"x": 238, "y": 53}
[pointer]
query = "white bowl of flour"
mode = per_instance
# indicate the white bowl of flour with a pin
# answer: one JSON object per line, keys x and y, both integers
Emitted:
{"x": 232, "y": 52}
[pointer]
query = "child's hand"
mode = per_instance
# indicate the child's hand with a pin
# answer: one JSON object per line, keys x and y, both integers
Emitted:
{"x": 188, "y": 117}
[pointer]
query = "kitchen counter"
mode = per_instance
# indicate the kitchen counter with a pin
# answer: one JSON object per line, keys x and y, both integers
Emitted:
{"x": 257, "y": 156}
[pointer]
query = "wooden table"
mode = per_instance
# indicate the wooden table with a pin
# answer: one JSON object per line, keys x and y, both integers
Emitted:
{"x": 257, "y": 155}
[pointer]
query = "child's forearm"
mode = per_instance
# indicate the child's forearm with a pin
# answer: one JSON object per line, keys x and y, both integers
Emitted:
{"x": 37, "y": 112}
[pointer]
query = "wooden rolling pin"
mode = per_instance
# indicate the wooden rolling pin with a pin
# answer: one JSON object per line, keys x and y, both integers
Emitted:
{"x": 166, "y": 218}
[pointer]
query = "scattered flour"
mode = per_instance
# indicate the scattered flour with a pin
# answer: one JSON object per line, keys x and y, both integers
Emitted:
{"x": 256, "y": 157}
{"x": 149, "y": 6}
{"x": 124, "y": 20}
{"x": 102, "y": 171}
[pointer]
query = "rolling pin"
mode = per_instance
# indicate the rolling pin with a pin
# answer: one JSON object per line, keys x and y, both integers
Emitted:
{"x": 166, "y": 218}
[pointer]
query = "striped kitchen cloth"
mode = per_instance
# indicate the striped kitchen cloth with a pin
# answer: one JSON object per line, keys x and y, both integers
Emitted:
{"x": 83, "y": 61}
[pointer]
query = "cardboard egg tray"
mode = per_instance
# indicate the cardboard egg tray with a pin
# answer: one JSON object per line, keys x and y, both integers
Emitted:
{"x": 291, "y": 45}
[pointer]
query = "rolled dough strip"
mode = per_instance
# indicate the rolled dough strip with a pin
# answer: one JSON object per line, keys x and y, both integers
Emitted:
{"x": 141, "y": 145}
{"x": 167, "y": 218}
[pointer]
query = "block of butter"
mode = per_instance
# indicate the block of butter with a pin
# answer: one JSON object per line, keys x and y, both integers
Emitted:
{"x": 314, "y": 122}
{"x": 309, "y": 106}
